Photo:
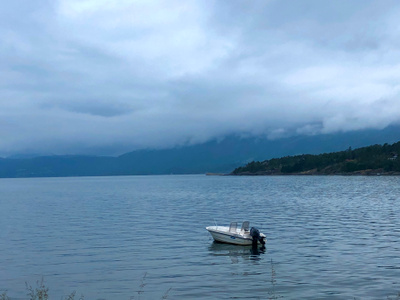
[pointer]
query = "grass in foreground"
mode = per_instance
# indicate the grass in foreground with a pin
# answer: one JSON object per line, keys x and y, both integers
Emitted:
{"x": 41, "y": 292}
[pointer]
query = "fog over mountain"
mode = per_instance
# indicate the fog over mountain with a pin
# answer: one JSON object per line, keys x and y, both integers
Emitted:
{"x": 216, "y": 156}
{"x": 107, "y": 77}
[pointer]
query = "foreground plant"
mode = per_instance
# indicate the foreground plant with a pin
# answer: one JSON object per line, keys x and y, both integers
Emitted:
{"x": 40, "y": 293}
{"x": 4, "y": 296}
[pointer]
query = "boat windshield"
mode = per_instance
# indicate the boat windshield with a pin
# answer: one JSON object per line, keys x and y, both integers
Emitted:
{"x": 232, "y": 227}
{"x": 246, "y": 226}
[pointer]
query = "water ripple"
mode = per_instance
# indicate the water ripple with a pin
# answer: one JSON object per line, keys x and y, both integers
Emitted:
{"x": 329, "y": 237}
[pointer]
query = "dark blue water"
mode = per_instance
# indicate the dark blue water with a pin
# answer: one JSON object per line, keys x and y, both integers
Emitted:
{"x": 144, "y": 237}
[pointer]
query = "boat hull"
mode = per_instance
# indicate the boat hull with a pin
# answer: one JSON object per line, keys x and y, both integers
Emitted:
{"x": 222, "y": 235}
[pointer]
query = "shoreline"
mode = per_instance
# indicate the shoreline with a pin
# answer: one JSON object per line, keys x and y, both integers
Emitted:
{"x": 315, "y": 173}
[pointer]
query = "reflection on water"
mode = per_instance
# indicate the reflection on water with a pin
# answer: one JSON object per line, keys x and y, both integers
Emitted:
{"x": 236, "y": 252}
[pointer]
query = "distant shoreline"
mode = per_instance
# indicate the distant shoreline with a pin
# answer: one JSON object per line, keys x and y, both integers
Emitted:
{"x": 310, "y": 173}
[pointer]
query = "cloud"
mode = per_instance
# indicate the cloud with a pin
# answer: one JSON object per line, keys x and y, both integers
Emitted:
{"x": 104, "y": 77}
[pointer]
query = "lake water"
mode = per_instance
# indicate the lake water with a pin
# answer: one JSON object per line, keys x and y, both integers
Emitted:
{"x": 144, "y": 237}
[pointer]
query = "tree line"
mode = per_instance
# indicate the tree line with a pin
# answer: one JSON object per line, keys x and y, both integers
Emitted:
{"x": 375, "y": 159}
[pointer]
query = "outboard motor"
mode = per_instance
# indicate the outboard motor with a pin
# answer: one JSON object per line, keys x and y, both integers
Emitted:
{"x": 255, "y": 234}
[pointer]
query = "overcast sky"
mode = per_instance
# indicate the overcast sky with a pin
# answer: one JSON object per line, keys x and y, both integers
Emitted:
{"x": 106, "y": 77}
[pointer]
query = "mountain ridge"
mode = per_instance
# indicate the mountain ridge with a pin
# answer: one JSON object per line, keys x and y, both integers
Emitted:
{"x": 216, "y": 156}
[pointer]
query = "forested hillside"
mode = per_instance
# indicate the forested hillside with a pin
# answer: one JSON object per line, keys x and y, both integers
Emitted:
{"x": 372, "y": 160}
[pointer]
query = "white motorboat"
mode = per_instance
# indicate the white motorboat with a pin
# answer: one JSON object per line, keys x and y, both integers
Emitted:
{"x": 239, "y": 236}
